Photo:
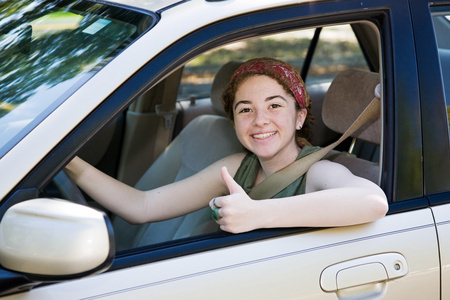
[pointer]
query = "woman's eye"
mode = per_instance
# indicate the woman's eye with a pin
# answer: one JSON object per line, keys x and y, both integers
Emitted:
{"x": 245, "y": 110}
{"x": 274, "y": 105}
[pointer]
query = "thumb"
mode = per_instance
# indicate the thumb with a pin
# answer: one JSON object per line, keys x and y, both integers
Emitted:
{"x": 232, "y": 185}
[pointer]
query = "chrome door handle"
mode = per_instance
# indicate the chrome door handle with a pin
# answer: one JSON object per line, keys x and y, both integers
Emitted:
{"x": 364, "y": 270}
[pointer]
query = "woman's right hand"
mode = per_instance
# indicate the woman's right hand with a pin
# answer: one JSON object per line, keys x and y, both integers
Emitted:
{"x": 237, "y": 210}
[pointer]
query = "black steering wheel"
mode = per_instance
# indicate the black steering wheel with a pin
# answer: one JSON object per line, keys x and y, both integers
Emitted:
{"x": 69, "y": 190}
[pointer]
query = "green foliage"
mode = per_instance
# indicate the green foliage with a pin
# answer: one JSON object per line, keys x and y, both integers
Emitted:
{"x": 293, "y": 51}
{"x": 43, "y": 48}
{"x": 330, "y": 57}
{"x": 289, "y": 50}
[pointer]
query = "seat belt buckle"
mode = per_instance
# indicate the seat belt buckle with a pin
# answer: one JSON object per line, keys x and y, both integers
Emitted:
{"x": 168, "y": 115}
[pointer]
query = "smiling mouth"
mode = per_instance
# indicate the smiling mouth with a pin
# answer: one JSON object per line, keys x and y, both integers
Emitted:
{"x": 263, "y": 135}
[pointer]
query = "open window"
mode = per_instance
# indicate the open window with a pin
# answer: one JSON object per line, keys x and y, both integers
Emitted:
{"x": 134, "y": 147}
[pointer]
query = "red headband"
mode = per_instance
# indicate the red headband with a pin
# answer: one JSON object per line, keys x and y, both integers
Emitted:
{"x": 280, "y": 70}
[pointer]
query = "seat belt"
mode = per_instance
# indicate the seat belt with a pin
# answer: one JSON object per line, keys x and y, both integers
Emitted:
{"x": 167, "y": 110}
{"x": 278, "y": 181}
{"x": 148, "y": 132}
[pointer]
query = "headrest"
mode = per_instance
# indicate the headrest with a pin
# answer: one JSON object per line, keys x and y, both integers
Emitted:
{"x": 220, "y": 82}
{"x": 349, "y": 94}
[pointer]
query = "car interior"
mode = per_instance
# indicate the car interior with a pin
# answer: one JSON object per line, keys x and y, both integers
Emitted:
{"x": 162, "y": 137}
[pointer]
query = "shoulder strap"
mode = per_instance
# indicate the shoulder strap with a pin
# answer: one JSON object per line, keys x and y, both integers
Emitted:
{"x": 275, "y": 183}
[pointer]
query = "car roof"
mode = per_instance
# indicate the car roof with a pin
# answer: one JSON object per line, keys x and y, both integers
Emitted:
{"x": 162, "y": 5}
{"x": 150, "y": 5}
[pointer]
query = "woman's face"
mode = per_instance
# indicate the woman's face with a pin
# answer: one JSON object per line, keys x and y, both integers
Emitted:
{"x": 266, "y": 118}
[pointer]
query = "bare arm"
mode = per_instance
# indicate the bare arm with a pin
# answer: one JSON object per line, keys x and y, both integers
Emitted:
{"x": 158, "y": 204}
{"x": 334, "y": 197}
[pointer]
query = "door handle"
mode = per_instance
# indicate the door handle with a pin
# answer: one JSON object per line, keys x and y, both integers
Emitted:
{"x": 364, "y": 270}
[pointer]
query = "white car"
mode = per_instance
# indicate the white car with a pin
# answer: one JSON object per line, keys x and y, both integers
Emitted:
{"x": 134, "y": 87}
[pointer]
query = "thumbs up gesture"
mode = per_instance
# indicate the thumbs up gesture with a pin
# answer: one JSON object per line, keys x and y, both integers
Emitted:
{"x": 233, "y": 186}
{"x": 236, "y": 210}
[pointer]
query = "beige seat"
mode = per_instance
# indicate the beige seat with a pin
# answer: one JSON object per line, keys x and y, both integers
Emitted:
{"x": 348, "y": 95}
{"x": 203, "y": 141}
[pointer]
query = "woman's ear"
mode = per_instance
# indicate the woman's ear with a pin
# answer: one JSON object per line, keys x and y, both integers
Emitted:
{"x": 301, "y": 117}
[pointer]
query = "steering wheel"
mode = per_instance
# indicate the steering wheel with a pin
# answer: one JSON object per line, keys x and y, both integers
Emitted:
{"x": 69, "y": 190}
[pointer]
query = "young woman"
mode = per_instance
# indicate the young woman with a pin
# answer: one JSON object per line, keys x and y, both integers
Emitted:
{"x": 268, "y": 104}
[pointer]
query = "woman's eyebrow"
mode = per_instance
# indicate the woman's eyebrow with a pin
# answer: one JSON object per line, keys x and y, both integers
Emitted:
{"x": 276, "y": 96}
{"x": 242, "y": 102}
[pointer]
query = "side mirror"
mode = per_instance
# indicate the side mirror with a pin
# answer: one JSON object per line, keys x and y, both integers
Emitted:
{"x": 54, "y": 240}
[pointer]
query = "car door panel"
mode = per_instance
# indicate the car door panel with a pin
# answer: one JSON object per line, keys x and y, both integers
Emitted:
{"x": 281, "y": 268}
{"x": 441, "y": 215}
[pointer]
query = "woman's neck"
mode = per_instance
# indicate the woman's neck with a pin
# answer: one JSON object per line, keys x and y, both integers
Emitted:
{"x": 276, "y": 163}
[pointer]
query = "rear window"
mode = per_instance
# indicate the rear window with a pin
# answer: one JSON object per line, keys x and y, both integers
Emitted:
{"x": 48, "y": 49}
{"x": 441, "y": 20}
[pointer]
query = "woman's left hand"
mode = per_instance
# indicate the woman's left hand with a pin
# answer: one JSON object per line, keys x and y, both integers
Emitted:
{"x": 237, "y": 210}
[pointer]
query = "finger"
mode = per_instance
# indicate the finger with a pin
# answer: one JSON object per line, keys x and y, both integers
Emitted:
{"x": 214, "y": 204}
{"x": 232, "y": 185}
{"x": 215, "y": 214}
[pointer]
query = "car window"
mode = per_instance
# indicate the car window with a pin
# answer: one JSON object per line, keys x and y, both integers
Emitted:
{"x": 441, "y": 20}
{"x": 196, "y": 80}
{"x": 336, "y": 51}
{"x": 50, "y": 48}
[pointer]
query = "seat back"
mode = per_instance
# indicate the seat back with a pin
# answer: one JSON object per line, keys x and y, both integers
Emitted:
{"x": 349, "y": 94}
{"x": 202, "y": 142}
{"x": 220, "y": 83}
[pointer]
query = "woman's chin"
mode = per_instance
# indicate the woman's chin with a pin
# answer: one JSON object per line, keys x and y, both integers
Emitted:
{"x": 264, "y": 154}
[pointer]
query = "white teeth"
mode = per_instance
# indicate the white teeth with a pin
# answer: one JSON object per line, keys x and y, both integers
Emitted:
{"x": 263, "y": 135}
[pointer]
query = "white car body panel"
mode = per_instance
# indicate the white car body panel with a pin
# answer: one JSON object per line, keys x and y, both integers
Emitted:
{"x": 293, "y": 264}
{"x": 441, "y": 214}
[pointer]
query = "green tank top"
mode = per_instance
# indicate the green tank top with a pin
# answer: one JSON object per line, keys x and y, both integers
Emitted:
{"x": 249, "y": 168}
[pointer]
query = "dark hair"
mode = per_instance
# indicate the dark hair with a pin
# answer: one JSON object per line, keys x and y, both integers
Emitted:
{"x": 228, "y": 99}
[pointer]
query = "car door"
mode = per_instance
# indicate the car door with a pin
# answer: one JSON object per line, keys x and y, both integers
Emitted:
{"x": 395, "y": 257}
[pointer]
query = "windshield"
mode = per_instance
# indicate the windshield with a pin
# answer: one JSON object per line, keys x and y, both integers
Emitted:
{"x": 48, "y": 49}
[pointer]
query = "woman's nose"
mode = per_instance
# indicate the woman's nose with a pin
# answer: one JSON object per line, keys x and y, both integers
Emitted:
{"x": 261, "y": 118}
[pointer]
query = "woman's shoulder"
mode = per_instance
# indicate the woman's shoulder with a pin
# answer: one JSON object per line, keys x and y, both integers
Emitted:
{"x": 326, "y": 174}
{"x": 325, "y": 168}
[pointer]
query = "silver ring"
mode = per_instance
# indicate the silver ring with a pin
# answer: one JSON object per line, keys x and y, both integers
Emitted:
{"x": 214, "y": 203}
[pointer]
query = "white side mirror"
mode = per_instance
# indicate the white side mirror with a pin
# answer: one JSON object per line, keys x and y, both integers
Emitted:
{"x": 55, "y": 239}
